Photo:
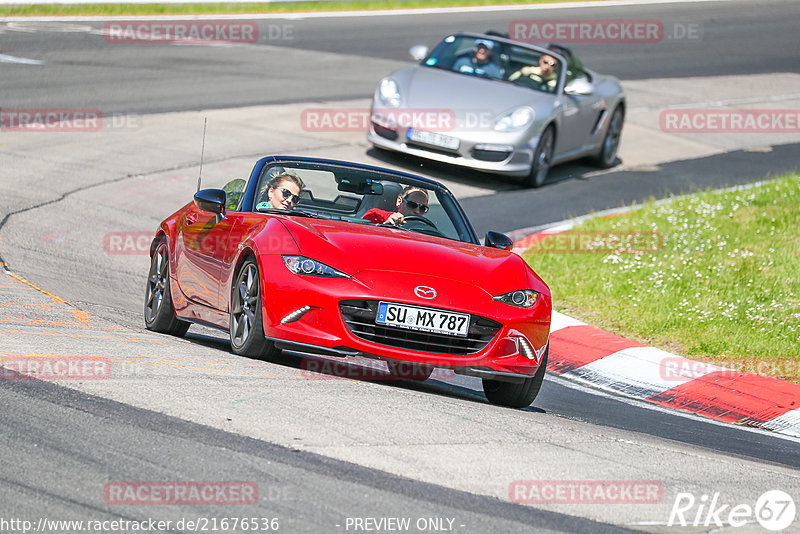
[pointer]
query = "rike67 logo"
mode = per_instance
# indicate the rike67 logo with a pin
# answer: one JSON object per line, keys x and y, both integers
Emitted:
{"x": 774, "y": 510}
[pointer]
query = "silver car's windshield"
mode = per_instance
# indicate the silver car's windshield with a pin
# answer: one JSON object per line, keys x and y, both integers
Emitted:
{"x": 362, "y": 197}
{"x": 496, "y": 60}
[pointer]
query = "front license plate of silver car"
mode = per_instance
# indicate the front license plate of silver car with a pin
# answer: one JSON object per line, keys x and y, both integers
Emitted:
{"x": 422, "y": 319}
{"x": 433, "y": 139}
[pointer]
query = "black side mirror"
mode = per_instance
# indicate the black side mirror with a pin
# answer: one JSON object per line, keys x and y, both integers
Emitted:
{"x": 212, "y": 200}
{"x": 498, "y": 240}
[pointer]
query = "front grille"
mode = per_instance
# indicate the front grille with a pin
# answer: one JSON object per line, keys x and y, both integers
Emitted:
{"x": 359, "y": 316}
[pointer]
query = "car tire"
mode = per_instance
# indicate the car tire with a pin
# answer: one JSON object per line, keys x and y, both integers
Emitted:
{"x": 246, "y": 314}
{"x": 607, "y": 157}
{"x": 159, "y": 314}
{"x": 409, "y": 371}
{"x": 541, "y": 159}
{"x": 516, "y": 394}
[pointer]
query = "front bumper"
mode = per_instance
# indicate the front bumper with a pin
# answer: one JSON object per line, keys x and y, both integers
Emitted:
{"x": 514, "y": 349}
{"x": 515, "y": 161}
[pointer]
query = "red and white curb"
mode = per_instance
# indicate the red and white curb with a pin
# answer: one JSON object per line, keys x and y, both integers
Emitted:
{"x": 589, "y": 355}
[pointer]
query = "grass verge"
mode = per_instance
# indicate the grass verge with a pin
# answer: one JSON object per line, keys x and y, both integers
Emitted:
{"x": 101, "y": 9}
{"x": 713, "y": 276}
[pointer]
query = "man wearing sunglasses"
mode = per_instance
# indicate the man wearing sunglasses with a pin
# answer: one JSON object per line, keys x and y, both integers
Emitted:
{"x": 283, "y": 191}
{"x": 545, "y": 73}
{"x": 480, "y": 62}
{"x": 411, "y": 201}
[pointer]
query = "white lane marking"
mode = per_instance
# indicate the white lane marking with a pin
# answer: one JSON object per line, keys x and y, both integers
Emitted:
{"x": 638, "y": 372}
{"x": 568, "y": 382}
{"x": 177, "y": 42}
{"x": 333, "y": 14}
{"x": 720, "y": 103}
{"x": 33, "y": 26}
{"x": 4, "y": 58}
{"x": 518, "y": 235}
{"x": 559, "y": 321}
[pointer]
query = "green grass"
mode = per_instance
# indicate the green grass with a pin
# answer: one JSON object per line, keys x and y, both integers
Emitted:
{"x": 723, "y": 286}
{"x": 255, "y": 7}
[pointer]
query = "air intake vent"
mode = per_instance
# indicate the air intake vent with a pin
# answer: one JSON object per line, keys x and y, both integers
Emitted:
{"x": 359, "y": 316}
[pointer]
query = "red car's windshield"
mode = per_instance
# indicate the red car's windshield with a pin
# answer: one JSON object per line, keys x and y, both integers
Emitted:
{"x": 359, "y": 197}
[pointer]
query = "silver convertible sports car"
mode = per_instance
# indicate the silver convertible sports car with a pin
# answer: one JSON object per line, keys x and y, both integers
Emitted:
{"x": 499, "y": 106}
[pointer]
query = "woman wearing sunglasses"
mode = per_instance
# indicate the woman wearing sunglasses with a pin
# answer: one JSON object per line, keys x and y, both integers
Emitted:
{"x": 283, "y": 191}
{"x": 411, "y": 201}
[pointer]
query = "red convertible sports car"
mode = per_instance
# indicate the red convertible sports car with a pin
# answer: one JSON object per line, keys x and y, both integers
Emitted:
{"x": 342, "y": 259}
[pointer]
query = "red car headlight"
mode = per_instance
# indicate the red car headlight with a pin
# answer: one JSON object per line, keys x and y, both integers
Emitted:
{"x": 522, "y": 298}
{"x": 307, "y": 266}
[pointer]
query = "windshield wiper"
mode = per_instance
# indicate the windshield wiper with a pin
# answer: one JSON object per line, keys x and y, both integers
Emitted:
{"x": 298, "y": 213}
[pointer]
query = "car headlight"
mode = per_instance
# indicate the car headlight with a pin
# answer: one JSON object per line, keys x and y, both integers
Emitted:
{"x": 307, "y": 266}
{"x": 389, "y": 93}
{"x": 514, "y": 120}
{"x": 523, "y": 298}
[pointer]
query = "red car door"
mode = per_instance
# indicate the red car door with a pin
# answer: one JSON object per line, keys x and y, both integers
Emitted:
{"x": 202, "y": 243}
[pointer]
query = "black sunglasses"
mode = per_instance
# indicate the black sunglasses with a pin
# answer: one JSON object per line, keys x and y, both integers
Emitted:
{"x": 415, "y": 206}
{"x": 286, "y": 194}
{"x": 551, "y": 63}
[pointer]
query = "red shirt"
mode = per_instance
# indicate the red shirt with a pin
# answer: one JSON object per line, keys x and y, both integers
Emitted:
{"x": 377, "y": 215}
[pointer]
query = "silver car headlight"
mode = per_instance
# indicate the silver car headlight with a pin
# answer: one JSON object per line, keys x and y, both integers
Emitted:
{"x": 389, "y": 93}
{"x": 523, "y": 298}
{"x": 307, "y": 266}
{"x": 516, "y": 119}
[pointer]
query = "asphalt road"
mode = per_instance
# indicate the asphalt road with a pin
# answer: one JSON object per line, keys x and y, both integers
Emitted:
{"x": 332, "y": 449}
{"x": 80, "y": 70}
{"x": 305, "y": 492}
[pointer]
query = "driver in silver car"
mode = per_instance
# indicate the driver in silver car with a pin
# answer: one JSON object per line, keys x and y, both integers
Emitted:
{"x": 411, "y": 201}
{"x": 545, "y": 73}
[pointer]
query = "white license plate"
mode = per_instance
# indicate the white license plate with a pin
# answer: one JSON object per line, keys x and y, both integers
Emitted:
{"x": 423, "y": 319}
{"x": 432, "y": 138}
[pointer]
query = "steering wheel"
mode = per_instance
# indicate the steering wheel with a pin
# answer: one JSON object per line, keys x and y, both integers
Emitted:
{"x": 413, "y": 218}
{"x": 534, "y": 81}
{"x": 433, "y": 230}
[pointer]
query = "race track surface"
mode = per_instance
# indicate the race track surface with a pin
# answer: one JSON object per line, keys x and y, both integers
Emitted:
{"x": 322, "y": 449}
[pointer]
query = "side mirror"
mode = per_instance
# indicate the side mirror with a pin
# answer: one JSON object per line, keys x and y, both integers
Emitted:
{"x": 498, "y": 240}
{"x": 579, "y": 86}
{"x": 212, "y": 200}
{"x": 418, "y": 52}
